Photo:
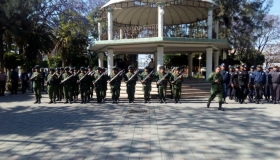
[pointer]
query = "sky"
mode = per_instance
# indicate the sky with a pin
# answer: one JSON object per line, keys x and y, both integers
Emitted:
{"x": 275, "y": 9}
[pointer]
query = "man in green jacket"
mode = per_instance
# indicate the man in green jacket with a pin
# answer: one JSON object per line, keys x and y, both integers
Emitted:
{"x": 176, "y": 80}
{"x": 83, "y": 85}
{"x": 67, "y": 85}
{"x": 115, "y": 85}
{"x": 98, "y": 82}
{"x": 162, "y": 79}
{"x": 52, "y": 82}
{"x": 216, "y": 80}
{"x": 147, "y": 84}
{"x": 130, "y": 79}
{"x": 37, "y": 82}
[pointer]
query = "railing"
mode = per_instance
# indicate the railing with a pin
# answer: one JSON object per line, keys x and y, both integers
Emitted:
{"x": 134, "y": 32}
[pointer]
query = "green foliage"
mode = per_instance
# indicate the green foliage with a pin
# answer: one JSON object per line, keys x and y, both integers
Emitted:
{"x": 12, "y": 60}
{"x": 175, "y": 59}
{"x": 54, "y": 61}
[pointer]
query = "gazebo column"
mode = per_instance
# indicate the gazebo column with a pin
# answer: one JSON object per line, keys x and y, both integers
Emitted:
{"x": 216, "y": 58}
{"x": 210, "y": 22}
{"x": 110, "y": 24}
{"x": 100, "y": 59}
{"x": 209, "y": 52}
{"x": 110, "y": 62}
{"x": 216, "y": 28}
{"x": 160, "y": 19}
{"x": 99, "y": 31}
{"x": 159, "y": 55}
{"x": 190, "y": 64}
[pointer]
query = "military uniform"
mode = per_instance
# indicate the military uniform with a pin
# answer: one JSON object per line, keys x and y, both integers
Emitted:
{"x": 67, "y": 86}
{"x": 243, "y": 79}
{"x": 234, "y": 84}
{"x": 52, "y": 82}
{"x": 251, "y": 84}
{"x": 115, "y": 86}
{"x": 75, "y": 86}
{"x": 226, "y": 80}
{"x": 104, "y": 86}
{"x": 37, "y": 82}
{"x": 275, "y": 79}
{"x": 176, "y": 86}
{"x": 216, "y": 80}
{"x": 130, "y": 85}
{"x": 267, "y": 86}
{"x": 91, "y": 86}
{"x": 84, "y": 81}
{"x": 60, "y": 86}
{"x": 147, "y": 84}
{"x": 259, "y": 82}
{"x": 162, "y": 86}
{"x": 99, "y": 84}
{"x": 230, "y": 88}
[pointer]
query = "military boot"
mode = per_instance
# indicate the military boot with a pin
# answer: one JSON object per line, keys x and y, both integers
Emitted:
{"x": 66, "y": 101}
{"x": 220, "y": 106}
{"x": 82, "y": 100}
{"x": 208, "y": 104}
{"x": 50, "y": 101}
{"x": 36, "y": 101}
{"x": 39, "y": 100}
{"x": 54, "y": 101}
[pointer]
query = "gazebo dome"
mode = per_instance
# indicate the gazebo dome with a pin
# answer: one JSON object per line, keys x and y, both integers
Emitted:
{"x": 145, "y": 12}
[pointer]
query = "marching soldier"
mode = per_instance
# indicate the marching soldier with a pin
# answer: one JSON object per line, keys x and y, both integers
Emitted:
{"x": 243, "y": 79}
{"x": 216, "y": 80}
{"x": 234, "y": 83}
{"x": 91, "y": 86}
{"x": 251, "y": 84}
{"x": 226, "y": 79}
{"x": 259, "y": 82}
{"x": 67, "y": 86}
{"x": 130, "y": 79}
{"x": 230, "y": 90}
{"x": 52, "y": 82}
{"x": 275, "y": 79}
{"x": 98, "y": 85}
{"x": 162, "y": 79}
{"x": 104, "y": 86}
{"x": 115, "y": 84}
{"x": 75, "y": 88}
{"x": 83, "y": 85}
{"x": 60, "y": 87}
{"x": 267, "y": 87}
{"x": 176, "y": 81}
{"x": 37, "y": 82}
{"x": 146, "y": 80}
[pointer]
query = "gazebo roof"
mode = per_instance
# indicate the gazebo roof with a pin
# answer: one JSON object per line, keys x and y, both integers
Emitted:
{"x": 145, "y": 12}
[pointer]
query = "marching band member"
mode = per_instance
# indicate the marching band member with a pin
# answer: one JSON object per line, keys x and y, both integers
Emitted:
{"x": 130, "y": 79}
{"x": 146, "y": 80}
{"x": 162, "y": 79}
{"x": 176, "y": 80}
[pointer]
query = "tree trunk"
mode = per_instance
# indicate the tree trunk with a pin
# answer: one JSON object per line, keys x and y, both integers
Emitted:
{"x": 1, "y": 49}
{"x": 63, "y": 57}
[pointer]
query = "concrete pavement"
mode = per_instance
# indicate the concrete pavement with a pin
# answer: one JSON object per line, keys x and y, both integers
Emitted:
{"x": 159, "y": 131}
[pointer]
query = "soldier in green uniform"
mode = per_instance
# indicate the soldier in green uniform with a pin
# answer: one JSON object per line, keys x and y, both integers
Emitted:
{"x": 75, "y": 86}
{"x": 91, "y": 86}
{"x": 98, "y": 84}
{"x": 170, "y": 84}
{"x": 216, "y": 80}
{"x": 130, "y": 83}
{"x": 104, "y": 86}
{"x": 147, "y": 84}
{"x": 162, "y": 79}
{"x": 176, "y": 80}
{"x": 115, "y": 85}
{"x": 37, "y": 82}
{"x": 52, "y": 82}
{"x": 67, "y": 86}
{"x": 60, "y": 86}
{"x": 83, "y": 84}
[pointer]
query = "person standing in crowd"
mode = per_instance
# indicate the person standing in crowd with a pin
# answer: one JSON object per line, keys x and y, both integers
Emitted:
{"x": 146, "y": 80}
{"x": 3, "y": 79}
{"x": 130, "y": 79}
{"x": 275, "y": 79}
{"x": 37, "y": 82}
{"x": 104, "y": 85}
{"x": 162, "y": 79}
{"x": 230, "y": 88}
{"x": 152, "y": 64}
{"x": 259, "y": 82}
{"x": 251, "y": 84}
{"x": 60, "y": 86}
{"x": 268, "y": 84}
{"x": 226, "y": 79}
{"x": 216, "y": 80}
{"x": 234, "y": 84}
{"x": 67, "y": 86}
{"x": 75, "y": 89}
{"x": 83, "y": 85}
{"x": 52, "y": 83}
{"x": 98, "y": 85}
{"x": 91, "y": 86}
{"x": 43, "y": 73}
{"x": 176, "y": 80}
{"x": 24, "y": 79}
{"x": 14, "y": 81}
{"x": 31, "y": 82}
{"x": 115, "y": 84}
{"x": 243, "y": 80}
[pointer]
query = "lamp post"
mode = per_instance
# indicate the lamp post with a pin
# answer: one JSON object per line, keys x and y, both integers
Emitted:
{"x": 199, "y": 69}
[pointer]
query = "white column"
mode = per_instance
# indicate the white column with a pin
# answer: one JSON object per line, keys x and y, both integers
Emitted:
{"x": 110, "y": 62}
{"x": 99, "y": 31}
{"x": 121, "y": 34}
{"x": 190, "y": 64}
{"x": 160, "y": 19}
{"x": 216, "y": 27}
{"x": 210, "y": 22}
{"x": 216, "y": 58}
{"x": 110, "y": 24}
{"x": 100, "y": 60}
{"x": 209, "y": 52}
{"x": 155, "y": 60}
{"x": 160, "y": 51}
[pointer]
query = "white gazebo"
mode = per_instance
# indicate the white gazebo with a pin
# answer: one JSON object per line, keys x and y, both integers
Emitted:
{"x": 137, "y": 27}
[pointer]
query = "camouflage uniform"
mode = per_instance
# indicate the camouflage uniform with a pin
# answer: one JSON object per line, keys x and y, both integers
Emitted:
{"x": 176, "y": 86}
{"x": 216, "y": 88}
{"x": 130, "y": 85}
{"x": 147, "y": 85}
{"x": 115, "y": 86}
{"x": 52, "y": 82}
{"x": 162, "y": 85}
{"x": 67, "y": 86}
{"x": 83, "y": 85}
{"x": 37, "y": 82}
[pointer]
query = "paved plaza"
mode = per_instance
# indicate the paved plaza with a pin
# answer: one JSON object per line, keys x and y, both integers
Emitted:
{"x": 140, "y": 131}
